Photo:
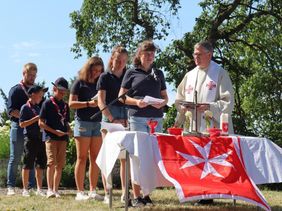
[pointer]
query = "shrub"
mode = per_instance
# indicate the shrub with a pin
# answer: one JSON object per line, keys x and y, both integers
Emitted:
{"x": 4, "y": 142}
{"x": 68, "y": 176}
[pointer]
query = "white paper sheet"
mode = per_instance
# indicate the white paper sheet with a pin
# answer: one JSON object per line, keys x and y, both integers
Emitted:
{"x": 112, "y": 127}
{"x": 152, "y": 100}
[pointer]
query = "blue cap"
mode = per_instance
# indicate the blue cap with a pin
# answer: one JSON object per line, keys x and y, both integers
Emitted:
{"x": 61, "y": 83}
{"x": 36, "y": 89}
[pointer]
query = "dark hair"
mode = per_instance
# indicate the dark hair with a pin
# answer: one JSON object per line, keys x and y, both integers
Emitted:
{"x": 147, "y": 45}
{"x": 204, "y": 44}
{"x": 118, "y": 49}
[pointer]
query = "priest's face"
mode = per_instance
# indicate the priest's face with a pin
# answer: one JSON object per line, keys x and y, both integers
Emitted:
{"x": 202, "y": 57}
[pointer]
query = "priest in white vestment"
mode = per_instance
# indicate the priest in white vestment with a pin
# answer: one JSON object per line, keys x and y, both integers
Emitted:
{"x": 213, "y": 86}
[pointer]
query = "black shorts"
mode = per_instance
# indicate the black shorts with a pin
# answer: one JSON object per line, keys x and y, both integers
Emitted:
{"x": 34, "y": 153}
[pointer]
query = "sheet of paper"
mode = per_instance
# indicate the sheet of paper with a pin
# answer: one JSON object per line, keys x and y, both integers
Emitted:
{"x": 112, "y": 127}
{"x": 152, "y": 100}
{"x": 95, "y": 97}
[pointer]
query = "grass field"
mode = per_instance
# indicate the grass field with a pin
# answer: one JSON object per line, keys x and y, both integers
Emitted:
{"x": 164, "y": 199}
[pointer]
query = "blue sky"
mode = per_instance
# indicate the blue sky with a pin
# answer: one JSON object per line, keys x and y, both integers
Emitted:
{"x": 39, "y": 32}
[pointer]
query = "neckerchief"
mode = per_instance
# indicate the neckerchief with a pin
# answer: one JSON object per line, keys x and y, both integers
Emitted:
{"x": 32, "y": 109}
{"x": 23, "y": 87}
{"x": 62, "y": 114}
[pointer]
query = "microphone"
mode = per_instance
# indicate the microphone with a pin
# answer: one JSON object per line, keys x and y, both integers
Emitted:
{"x": 153, "y": 74}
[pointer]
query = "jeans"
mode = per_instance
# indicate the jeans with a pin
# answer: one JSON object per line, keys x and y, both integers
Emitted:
{"x": 140, "y": 124}
{"x": 16, "y": 152}
{"x": 118, "y": 112}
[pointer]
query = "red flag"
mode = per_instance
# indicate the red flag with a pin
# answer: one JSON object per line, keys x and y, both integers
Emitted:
{"x": 204, "y": 168}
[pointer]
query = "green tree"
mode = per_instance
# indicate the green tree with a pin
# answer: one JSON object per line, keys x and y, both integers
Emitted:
{"x": 4, "y": 115}
{"x": 105, "y": 24}
{"x": 247, "y": 39}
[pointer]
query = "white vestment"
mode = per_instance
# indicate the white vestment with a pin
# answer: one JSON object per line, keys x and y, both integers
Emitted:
{"x": 213, "y": 86}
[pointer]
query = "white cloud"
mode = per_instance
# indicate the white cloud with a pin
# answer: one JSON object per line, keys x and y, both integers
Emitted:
{"x": 24, "y": 50}
{"x": 26, "y": 45}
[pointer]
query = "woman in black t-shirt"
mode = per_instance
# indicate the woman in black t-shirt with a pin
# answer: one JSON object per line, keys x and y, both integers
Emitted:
{"x": 108, "y": 88}
{"x": 87, "y": 131}
{"x": 150, "y": 82}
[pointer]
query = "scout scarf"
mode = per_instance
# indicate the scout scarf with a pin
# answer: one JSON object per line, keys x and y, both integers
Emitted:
{"x": 23, "y": 87}
{"x": 32, "y": 108}
{"x": 63, "y": 113}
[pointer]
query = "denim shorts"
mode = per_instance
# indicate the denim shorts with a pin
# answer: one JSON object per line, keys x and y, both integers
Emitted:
{"x": 86, "y": 129}
{"x": 140, "y": 124}
{"x": 118, "y": 112}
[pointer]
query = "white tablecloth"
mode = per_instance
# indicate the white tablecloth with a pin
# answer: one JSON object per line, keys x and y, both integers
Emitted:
{"x": 262, "y": 158}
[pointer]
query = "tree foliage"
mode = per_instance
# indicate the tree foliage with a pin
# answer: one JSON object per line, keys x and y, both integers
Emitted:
{"x": 105, "y": 24}
{"x": 247, "y": 37}
{"x": 4, "y": 115}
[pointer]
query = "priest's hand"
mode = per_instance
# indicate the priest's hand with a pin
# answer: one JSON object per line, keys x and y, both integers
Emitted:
{"x": 203, "y": 108}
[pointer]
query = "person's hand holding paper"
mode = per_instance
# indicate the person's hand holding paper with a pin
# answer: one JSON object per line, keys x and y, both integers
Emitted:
{"x": 155, "y": 102}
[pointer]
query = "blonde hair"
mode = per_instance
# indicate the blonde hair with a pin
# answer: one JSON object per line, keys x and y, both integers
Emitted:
{"x": 147, "y": 45}
{"x": 85, "y": 72}
{"x": 118, "y": 49}
{"x": 29, "y": 67}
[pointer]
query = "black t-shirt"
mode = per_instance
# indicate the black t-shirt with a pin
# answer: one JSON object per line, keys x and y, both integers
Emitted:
{"x": 17, "y": 98}
{"x": 85, "y": 91}
{"x": 111, "y": 84}
{"x": 28, "y": 111}
{"x": 52, "y": 118}
{"x": 151, "y": 86}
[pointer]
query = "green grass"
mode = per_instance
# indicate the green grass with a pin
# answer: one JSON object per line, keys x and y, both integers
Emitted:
{"x": 164, "y": 199}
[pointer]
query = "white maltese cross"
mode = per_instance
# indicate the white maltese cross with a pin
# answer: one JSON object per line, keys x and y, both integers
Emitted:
{"x": 193, "y": 160}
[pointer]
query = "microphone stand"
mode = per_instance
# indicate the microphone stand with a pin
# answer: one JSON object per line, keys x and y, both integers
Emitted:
{"x": 123, "y": 96}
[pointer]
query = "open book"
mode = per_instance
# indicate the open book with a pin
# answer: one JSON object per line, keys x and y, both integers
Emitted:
{"x": 188, "y": 104}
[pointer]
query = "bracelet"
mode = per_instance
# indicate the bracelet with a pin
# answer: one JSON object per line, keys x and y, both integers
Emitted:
{"x": 87, "y": 104}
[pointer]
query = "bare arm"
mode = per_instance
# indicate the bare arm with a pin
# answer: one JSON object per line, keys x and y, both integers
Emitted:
{"x": 102, "y": 104}
{"x": 75, "y": 104}
{"x": 29, "y": 122}
{"x": 44, "y": 126}
{"x": 15, "y": 113}
{"x": 131, "y": 101}
{"x": 163, "y": 96}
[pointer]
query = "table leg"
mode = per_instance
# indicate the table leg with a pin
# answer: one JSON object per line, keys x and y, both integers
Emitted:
{"x": 126, "y": 180}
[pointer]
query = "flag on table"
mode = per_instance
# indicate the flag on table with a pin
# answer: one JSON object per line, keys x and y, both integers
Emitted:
{"x": 204, "y": 168}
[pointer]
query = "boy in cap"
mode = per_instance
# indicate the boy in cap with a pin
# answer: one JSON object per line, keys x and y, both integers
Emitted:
{"x": 34, "y": 148}
{"x": 54, "y": 119}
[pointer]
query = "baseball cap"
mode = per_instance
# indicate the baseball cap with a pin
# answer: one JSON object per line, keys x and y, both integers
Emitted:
{"x": 61, "y": 83}
{"x": 36, "y": 89}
